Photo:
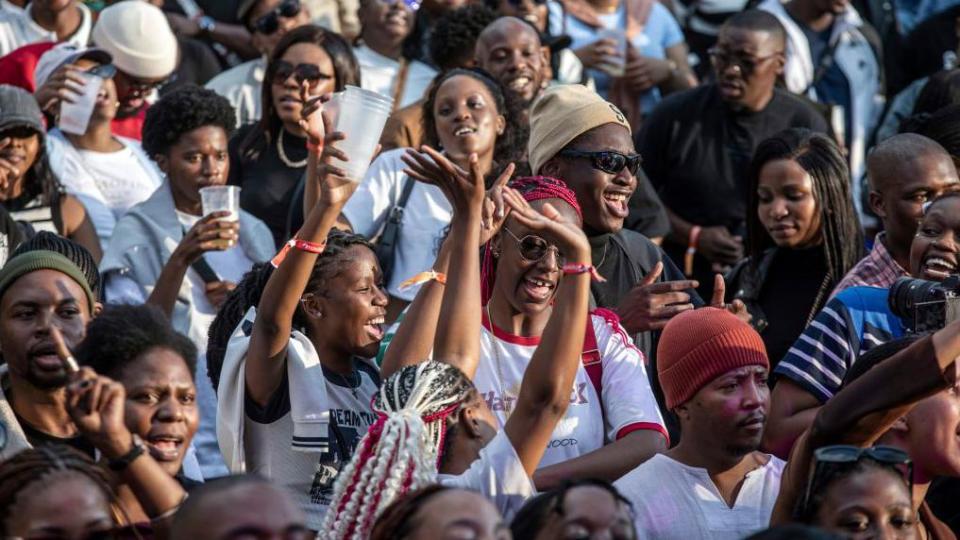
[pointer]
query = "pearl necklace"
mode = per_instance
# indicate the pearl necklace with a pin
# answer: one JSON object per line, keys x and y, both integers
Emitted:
{"x": 283, "y": 155}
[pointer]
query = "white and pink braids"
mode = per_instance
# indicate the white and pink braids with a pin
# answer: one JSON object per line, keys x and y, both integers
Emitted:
{"x": 402, "y": 449}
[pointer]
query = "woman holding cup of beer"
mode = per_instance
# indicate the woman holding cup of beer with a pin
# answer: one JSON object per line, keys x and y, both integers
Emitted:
{"x": 182, "y": 250}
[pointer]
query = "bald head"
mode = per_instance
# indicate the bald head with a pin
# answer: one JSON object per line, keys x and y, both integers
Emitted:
{"x": 510, "y": 50}
{"x": 905, "y": 157}
{"x": 245, "y": 503}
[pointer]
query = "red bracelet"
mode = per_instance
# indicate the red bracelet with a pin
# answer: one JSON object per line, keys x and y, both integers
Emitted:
{"x": 302, "y": 245}
{"x": 575, "y": 268}
{"x": 316, "y": 148}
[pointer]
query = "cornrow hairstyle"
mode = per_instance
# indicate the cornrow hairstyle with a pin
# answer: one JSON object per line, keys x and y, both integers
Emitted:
{"x": 823, "y": 161}
{"x": 532, "y": 188}
{"x": 24, "y": 470}
{"x": 835, "y": 473}
{"x": 182, "y": 111}
{"x": 328, "y": 266}
{"x": 535, "y": 514}
{"x": 401, "y": 450}
{"x": 508, "y": 146}
{"x": 48, "y": 241}
{"x": 397, "y": 520}
{"x": 346, "y": 71}
{"x": 121, "y": 333}
{"x": 246, "y": 295}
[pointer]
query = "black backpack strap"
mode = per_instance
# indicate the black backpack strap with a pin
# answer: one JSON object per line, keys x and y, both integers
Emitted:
{"x": 387, "y": 243}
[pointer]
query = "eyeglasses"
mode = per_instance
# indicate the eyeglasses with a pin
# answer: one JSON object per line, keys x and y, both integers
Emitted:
{"x": 748, "y": 64}
{"x": 139, "y": 87}
{"x": 269, "y": 23}
{"x": 608, "y": 161}
{"x": 831, "y": 459}
{"x": 534, "y": 248}
{"x": 104, "y": 71}
{"x": 301, "y": 72}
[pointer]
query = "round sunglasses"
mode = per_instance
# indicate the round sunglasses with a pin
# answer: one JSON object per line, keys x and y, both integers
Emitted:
{"x": 534, "y": 248}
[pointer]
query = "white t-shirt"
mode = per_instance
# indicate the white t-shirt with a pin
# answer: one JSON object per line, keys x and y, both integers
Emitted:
{"x": 241, "y": 85}
{"x": 310, "y": 476}
{"x": 628, "y": 402}
{"x": 686, "y": 505}
{"x": 425, "y": 219}
{"x": 379, "y": 74}
{"x": 497, "y": 475}
{"x": 17, "y": 29}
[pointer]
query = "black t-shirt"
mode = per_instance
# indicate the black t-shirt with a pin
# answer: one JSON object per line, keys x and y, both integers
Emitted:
{"x": 11, "y": 236}
{"x": 38, "y": 438}
{"x": 787, "y": 296}
{"x": 697, "y": 151}
{"x": 267, "y": 184}
{"x": 924, "y": 48}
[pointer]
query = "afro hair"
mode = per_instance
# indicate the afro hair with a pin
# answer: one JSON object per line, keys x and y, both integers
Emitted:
{"x": 181, "y": 111}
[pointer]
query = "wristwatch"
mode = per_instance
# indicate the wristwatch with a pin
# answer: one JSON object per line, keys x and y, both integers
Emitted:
{"x": 207, "y": 25}
{"x": 137, "y": 449}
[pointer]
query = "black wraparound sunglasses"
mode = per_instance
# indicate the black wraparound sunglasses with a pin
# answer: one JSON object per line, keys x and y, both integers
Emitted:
{"x": 269, "y": 23}
{"x": 608, "y": 161}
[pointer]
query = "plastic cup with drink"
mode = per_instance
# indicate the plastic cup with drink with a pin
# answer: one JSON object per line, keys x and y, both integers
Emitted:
{"x": 615, "y": 65}
{"x": 360, "y": 115}
{"x": 221, "y": 199}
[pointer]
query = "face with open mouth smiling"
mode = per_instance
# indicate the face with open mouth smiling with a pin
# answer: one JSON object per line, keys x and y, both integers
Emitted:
{"x": 161, "y": 405}
{"x": 466, "y": 118}
{"x": 528, "y": 285}
{"x": 511, "y": 51}
{"x": 933, "y": 253}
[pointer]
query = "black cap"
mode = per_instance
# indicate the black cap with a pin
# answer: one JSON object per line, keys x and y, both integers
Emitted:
{"x": 555, "y": 43}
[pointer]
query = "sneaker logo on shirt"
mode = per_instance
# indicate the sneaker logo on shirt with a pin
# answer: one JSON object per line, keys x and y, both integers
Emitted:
{"x": 496, "y": 402}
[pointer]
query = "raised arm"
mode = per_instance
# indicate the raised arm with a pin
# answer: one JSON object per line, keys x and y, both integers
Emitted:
{"x": 281, "y": 296}
{"x": 545, "y": 390}
{"x": 423, "y": 326}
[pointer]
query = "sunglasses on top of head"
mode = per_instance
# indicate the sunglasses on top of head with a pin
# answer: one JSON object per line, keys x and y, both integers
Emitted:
{"x": 269, "y": 23}
{"x": 301, "y": 72}
{"x": 534, "y": 248}
{"x": 608, "y": 161}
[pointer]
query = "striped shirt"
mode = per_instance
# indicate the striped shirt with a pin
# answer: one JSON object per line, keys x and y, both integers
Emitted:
{"x": 852, "y": 323}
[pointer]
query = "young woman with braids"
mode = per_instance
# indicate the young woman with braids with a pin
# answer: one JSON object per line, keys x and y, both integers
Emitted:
{"x": 464, "y": 113}
{"x": 803, "y": 235}
{"x": 612, "y": 423}
{"x": 295, "y": 386}
{"x": 430, "y": 415}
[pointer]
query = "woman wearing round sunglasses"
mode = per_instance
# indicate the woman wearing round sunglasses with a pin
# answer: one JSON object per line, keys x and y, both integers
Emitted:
{"x": 269, "y": 158}
{"x": 108, "y": 173}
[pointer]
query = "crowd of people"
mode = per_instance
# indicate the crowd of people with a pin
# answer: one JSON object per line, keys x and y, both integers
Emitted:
{"x": 657, "y": 269}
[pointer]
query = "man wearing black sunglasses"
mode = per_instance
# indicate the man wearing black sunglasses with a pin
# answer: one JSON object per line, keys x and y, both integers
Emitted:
{"x": 267, "y": 21}
{"x": 697, "y": 144}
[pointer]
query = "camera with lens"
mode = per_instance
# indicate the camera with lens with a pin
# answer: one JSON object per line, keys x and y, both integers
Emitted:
{"x": 925, "y": 306}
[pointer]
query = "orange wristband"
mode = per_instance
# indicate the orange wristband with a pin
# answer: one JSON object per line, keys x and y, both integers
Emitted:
{"x": 302, "y": 245}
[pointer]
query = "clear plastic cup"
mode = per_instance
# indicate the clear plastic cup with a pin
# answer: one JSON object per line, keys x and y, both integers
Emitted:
{"x": 221, "y": 199}
{"x": 615, "y": 66}
{"x": 361, "y": 115}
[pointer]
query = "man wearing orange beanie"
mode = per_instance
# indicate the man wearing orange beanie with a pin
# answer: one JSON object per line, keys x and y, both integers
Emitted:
{"x": 714, "y": 484}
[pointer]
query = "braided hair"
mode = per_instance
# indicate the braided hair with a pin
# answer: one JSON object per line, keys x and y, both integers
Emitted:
{"x": 23, "y": 471}
{"x": 823, "y": 161}
{"x": 328, "y": 266}
{"x": 401, "y": 450}
{"x": 48, "y": 241}
{"x": 246, "y": 295}
{"x": 532, "y": 188}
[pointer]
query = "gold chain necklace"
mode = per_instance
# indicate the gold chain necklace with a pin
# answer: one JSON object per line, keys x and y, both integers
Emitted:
{"x": 283, "y": 155}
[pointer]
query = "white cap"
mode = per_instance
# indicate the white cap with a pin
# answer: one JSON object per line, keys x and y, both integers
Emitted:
{"x": 138, "y": 36}
{"x": 66, "y": 53}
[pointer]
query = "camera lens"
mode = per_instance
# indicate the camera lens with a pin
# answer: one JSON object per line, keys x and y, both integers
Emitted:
{"x": 907, "y": 292}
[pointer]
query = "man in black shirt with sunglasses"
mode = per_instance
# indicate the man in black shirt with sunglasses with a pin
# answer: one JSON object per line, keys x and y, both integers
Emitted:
{"x": 697, "y": 144}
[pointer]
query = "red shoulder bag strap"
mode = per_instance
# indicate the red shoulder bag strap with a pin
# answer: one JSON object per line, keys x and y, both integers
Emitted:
{"x": 590, "y": 357}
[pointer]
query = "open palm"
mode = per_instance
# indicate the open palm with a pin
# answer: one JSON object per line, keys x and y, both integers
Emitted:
{"x": 567, "y": 235}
